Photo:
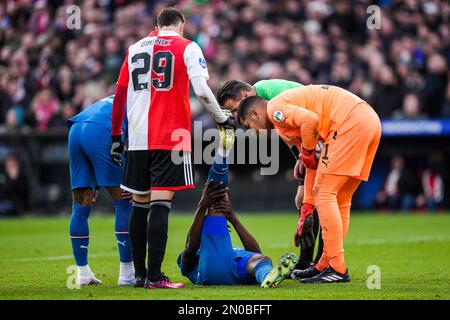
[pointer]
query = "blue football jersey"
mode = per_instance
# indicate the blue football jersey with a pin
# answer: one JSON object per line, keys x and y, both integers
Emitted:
{"x": 99, "y": 113}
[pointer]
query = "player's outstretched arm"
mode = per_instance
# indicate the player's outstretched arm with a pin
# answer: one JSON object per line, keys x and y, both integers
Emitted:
{"x": 207, "y": 98}
{"x": 211, "y": 192}
{"x": 198, "y": 74}
{"x": 248, "y": 241}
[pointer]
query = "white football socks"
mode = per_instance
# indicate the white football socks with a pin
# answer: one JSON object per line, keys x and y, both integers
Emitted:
{"x": 126, "y": 269}
{"x": 84, "y": 271}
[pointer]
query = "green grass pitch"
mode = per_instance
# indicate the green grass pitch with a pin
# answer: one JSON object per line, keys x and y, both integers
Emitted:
{"x": 412, "y": 252}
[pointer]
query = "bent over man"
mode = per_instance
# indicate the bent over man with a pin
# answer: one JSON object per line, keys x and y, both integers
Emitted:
{"x": 350, "y": 130}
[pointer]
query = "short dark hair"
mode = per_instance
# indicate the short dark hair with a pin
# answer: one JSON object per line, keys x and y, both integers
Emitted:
{"x": 245, "y": 106}
{"x": 231, "y": 89}
{"x": 169, "y": 17}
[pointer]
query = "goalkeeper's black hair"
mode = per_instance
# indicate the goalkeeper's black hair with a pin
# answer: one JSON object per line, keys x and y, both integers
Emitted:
{"x": 231, "y": 89}
{"x": 245, "y": 106}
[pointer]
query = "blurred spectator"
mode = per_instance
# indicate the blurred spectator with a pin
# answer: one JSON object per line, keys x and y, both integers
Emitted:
{"x": 388, "y": 94}
{"x": 411, "y": 109}
{"x": 401, "y": 187}
{"x": 40, "y": 18}
{"x": 433, "y": 183}
{"x": 14, "y": 187}
{"x": 15, "y": 118}
{"x": 436, "y": 83}
{"x": 433, "y": 187}
{"x": 44, "y": 106}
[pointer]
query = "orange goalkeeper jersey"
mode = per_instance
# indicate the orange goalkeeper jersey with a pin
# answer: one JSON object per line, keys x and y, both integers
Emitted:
{"x": 317, "y": 110}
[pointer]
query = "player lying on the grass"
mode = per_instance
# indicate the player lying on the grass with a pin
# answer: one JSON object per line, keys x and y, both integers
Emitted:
{"x": 91, "y": 167}
{"x": 209, "y": 257}
{"x": 229, "y": 96}
{"x": 351, "y": 132}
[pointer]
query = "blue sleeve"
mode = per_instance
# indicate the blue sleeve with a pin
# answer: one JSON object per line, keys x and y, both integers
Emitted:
{"x": 190, "y": 274}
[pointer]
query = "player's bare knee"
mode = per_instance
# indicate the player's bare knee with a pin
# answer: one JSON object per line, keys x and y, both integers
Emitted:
{"x": 83, "y": 196}
{"x": 264, "y": 258}
{"x": 141, "y": 198}
{"x": 162, "y": 195}
{"x": 255, "y": 260}
{"x": 114, "y": 192}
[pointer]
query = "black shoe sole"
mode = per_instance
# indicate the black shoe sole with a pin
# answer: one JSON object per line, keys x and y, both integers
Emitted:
{"x": 299, "y": 278}
{"x": 308, "y": 280}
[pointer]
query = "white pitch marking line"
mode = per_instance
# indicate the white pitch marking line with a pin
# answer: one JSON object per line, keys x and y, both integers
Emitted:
{"x": 57, "y": 258}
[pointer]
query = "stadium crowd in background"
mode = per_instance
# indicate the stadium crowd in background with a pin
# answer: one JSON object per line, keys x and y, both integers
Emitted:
{"x": 49, "y": 72}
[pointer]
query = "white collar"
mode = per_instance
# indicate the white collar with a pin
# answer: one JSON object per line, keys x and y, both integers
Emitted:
{"x": 168, "y": 34}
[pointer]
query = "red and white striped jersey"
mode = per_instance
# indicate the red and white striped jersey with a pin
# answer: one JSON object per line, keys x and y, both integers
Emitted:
{"x": 156, "y": 72}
